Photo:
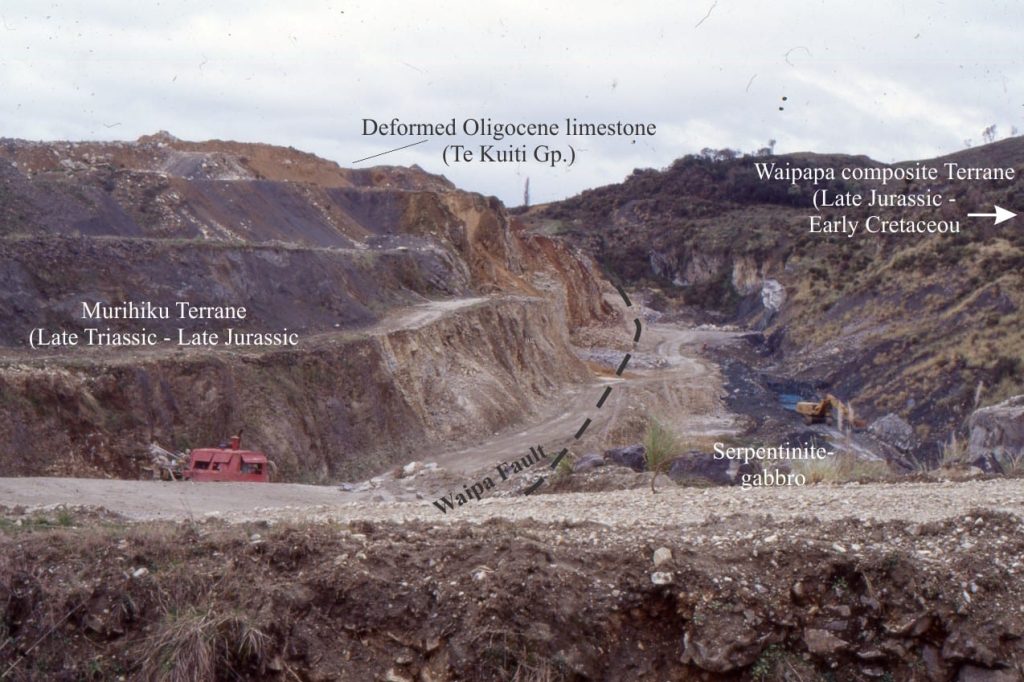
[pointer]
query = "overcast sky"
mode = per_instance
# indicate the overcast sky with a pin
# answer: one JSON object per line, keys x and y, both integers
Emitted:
{"x": 894, "y": 80}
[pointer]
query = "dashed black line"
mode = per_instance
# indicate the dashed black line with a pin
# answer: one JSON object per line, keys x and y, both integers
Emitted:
{"x": 604, "y": 396}
{"x": 622, "y": 292}
{"x": 622, "y": 365}
{"x": 533, "y": 487}
{"x": 558, "y": 458}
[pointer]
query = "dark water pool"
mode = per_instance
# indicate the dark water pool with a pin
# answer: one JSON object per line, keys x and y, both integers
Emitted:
{"x": 789, "y": 400}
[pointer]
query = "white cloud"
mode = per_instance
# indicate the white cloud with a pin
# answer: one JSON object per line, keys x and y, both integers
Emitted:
{"x": 306, "y": 73}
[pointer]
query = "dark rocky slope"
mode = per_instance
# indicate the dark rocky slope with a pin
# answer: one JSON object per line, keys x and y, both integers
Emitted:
{"x": 926, "y": 327}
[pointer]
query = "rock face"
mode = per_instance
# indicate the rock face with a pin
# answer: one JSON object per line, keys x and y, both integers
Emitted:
{"x": 587, "y": 462}
{"x": 895, "y": 431}
{"x": 746, "y": 275}
{"x": 702, "y": 267}
{"x": 632, "y": 456}
{"x": 997, "y": 432}
{"x": 773, "y": 295}
{"x": 339, "y": 410}
{"x": 729, "y": 256}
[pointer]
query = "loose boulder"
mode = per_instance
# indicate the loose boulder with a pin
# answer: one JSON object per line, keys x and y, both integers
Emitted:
{"x": 997, "y": 432}
{"x": 587, "y": 462}
{"x": 696, "y": 466}
{"x": 823, "y": 643}
{"x": 725, "y": 642}
{"x": 895, "y": 431}
{"x": 632, "y": 456}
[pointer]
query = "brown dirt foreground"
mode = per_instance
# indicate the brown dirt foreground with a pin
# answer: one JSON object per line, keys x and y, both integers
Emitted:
{"x": 88, "y": 596}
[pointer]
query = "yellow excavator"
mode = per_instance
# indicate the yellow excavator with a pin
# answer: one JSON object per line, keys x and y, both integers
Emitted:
{"x": 842, "y": 413}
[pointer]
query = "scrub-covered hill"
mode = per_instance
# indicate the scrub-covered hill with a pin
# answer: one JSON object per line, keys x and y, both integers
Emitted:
{"x": 924, "y": 325}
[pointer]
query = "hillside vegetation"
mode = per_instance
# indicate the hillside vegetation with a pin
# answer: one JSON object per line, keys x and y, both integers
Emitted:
{"x": 926, "y": 326}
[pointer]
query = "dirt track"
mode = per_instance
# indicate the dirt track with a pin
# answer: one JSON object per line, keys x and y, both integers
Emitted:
{"x": 665, "y": 377}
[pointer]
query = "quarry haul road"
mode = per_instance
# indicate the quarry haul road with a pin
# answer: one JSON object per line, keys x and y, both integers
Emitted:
{"x": 665, "y": 378}
{"x": 240, "y": 502}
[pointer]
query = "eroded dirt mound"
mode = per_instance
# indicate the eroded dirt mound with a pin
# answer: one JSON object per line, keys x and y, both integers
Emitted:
{"x": 742, "y": 598}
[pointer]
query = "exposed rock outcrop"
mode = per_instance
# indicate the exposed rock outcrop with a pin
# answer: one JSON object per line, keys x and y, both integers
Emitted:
{"x": 773, "y": 295}
{"x": 998, "y": 431}
{"x": 697, "y": 467}
{"x": 632, "y": 456}
{"x": 333, "y": 409}
{"x": 895, "y": 431}
{"x": 711, "y": 225}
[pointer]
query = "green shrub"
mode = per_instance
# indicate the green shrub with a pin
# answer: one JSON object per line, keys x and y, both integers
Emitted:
{"x": 660, "y": 446}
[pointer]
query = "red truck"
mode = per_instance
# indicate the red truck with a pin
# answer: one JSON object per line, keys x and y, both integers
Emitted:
{"x": 227, "y": 464}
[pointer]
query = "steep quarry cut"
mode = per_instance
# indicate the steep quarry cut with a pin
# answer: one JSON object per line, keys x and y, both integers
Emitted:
{"x": 342, "y": 405}
{"x": 422, "y": 316}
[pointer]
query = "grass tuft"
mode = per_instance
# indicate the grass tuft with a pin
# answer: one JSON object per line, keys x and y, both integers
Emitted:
{"x": 954, "y": 453}
{"x": 842, "y": 468}
{"x": 1013, "y": 465}
{"x": 198, "y": 645}
{"x": 661, "y": 445}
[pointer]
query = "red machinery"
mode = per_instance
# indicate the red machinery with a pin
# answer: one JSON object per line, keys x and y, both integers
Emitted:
{"x": 227, "y": 464}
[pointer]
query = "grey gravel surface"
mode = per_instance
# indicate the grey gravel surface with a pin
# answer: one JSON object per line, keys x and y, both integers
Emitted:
{"x": 143, "y": 500}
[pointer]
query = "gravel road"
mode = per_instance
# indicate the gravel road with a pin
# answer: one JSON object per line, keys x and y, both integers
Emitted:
{"x": 143, "y": 500}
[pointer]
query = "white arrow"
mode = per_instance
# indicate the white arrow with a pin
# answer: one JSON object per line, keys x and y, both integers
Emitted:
{"x": 1001, "y": 215}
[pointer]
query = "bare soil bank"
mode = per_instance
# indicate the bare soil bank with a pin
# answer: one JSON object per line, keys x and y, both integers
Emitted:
{"x": 741, "y": 598}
